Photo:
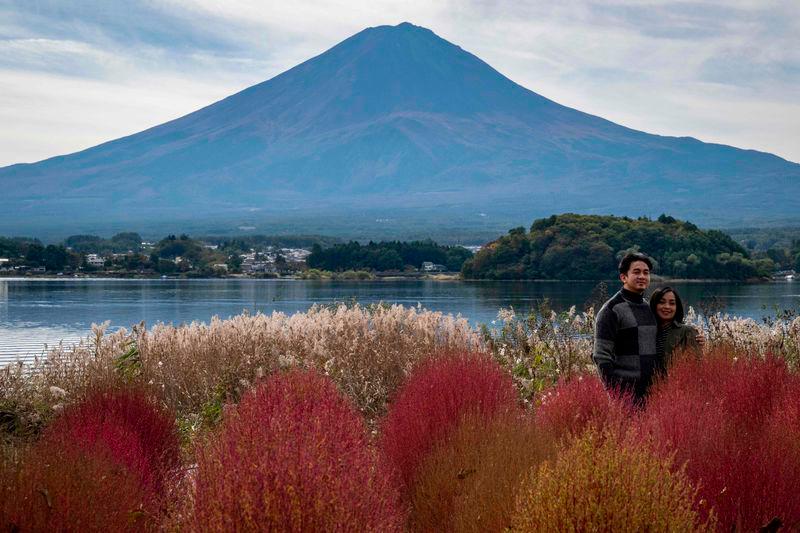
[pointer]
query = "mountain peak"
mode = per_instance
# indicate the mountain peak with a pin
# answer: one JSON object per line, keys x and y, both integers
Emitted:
{"x": 395, "y": 117}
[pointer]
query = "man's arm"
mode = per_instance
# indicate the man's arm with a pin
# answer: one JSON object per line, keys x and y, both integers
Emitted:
{"x": 605, "y": 331}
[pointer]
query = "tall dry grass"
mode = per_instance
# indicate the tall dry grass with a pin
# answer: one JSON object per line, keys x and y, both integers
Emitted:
{"x": 542, "y": 347}
{"x": 195, "y": 369}
{"x": 771, "y": 336}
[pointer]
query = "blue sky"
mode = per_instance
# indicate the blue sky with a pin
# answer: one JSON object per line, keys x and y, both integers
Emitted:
{"x": 77, "y": 73}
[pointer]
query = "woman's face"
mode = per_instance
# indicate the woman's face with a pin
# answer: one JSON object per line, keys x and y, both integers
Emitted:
{"x": 665, "y": 309}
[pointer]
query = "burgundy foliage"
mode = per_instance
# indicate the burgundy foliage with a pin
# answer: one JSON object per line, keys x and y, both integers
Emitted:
{"x": 127, "y": 427}
{"x": 103, "y": 465}
{"x": 294, "y": 455}
{"x": 736, "y": 426}
{"x": 572, "y": 406}
{"x": 434, "y": 399}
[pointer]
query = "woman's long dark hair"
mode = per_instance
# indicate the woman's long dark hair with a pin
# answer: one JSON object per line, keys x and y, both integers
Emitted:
{"x": 659, "y": 294}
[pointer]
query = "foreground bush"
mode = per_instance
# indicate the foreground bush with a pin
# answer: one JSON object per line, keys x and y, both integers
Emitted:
{"x": 734, "y": 423}
{"x": 293, "y": 456}
{"x": 57, "y": 489}
{"x": 104, "y": 465}
{"x": 469, "y": 481}
{"x": 128, "y": 427}
{"x": 567, "y": 409}
{"x": 433, "y": 401}
{"x": 602, "y": 482}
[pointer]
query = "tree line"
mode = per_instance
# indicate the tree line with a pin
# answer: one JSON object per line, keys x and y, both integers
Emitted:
{"x": 383, "y": 256}
{"x": 572, "y": 246}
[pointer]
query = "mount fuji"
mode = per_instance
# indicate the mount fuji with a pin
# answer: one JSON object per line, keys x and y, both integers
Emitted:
{"x": 392, "y": 120}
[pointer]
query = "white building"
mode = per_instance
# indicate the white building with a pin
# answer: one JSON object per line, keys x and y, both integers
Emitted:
{"x": 95, "y": 260}
{"x": 428, "y": 266}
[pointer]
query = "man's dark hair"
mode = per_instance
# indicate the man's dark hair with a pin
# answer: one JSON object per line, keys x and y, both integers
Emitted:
{"x": 632, "y": 257}
{"x": 659, "y": 294}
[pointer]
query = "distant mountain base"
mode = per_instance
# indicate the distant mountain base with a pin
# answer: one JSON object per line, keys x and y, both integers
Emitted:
{"x": 467, "y": 225}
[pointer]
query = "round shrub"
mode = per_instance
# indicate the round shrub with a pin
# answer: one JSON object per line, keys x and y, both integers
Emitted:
{"x": 571, "y": 406}
{"x": 127, "y": 427}
{"x": 69, "y": 489}
{"x": 293, "y": 456}
{"x": 104, "y": 465}
{"x": 734, "y": 422}
{"x": 433, "y": 400}
{"x": 469, "y": 481}
{"x": 602, "y": 482}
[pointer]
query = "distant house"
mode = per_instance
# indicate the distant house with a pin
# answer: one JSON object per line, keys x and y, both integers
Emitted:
{"x": 428, "y": 266}
{"x": 95, "y": 260}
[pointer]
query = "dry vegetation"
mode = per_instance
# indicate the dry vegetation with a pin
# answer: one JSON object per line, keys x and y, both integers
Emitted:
{"x": 476, "y": 428}
{"x": 196, "y": 369}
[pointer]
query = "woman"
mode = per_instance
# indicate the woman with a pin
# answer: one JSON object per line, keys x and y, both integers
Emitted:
{"x": 673, "y": 334}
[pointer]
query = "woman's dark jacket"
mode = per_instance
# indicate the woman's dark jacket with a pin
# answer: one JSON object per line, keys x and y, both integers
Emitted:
{"x": 678, "y": 337}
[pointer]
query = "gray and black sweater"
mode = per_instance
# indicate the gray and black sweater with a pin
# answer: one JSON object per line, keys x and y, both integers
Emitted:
{"x": 625, "y": 343}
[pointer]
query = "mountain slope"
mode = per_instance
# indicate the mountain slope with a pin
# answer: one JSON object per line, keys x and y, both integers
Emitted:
{"x": 394, "y": 117}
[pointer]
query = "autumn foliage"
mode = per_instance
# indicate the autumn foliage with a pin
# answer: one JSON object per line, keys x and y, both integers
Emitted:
{"x": 602, "y": 481}
{"x": 733, "y": 421}
{"x": 573, "y": 405}
{"x": 469, "y": 481}
{"x": 104, "y": 465}
{"x": 292, "y": 456}
{"x": 435, "y": 398}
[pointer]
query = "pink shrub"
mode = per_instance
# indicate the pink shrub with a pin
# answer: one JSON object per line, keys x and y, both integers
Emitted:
{"x": 128, "y": 427}
{"x": 735, "y": 425}
{"x": 293, "y": 456}
{"x": 104, "y": 464}
{"x": 434, "y": 399}
{"x": 573, "y": 405}
{"x": 68, "y": 489}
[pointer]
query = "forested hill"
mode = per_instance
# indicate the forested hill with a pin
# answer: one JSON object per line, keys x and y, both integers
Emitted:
{"x": 574, "y": 246}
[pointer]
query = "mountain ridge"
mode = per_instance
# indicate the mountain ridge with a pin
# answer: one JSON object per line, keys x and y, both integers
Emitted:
{"x": 396, "y": 117}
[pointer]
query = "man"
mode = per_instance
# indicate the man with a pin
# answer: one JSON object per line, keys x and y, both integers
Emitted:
{"x": 625, "y": 332}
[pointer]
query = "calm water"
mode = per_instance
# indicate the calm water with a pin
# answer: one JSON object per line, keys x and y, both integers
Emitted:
{"x": 38, "y": 312}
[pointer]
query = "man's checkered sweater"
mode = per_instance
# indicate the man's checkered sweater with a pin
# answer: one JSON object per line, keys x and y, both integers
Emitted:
{"x": 625, "y": 343}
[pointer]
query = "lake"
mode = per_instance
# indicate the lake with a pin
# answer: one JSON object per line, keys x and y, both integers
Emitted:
{"x": 35, "y": 312}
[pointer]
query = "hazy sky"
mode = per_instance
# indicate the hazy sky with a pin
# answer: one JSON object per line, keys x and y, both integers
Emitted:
{"x": 80, "y": 72}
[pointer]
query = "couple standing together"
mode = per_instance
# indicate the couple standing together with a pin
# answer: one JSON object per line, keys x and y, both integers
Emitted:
{"x": 634, "y": 339}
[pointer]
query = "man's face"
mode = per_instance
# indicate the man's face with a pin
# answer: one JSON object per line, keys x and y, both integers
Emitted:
{"x": 637, "y": 278}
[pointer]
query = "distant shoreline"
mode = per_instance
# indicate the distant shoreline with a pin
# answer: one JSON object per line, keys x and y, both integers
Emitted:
{"x": 377, "y": 277}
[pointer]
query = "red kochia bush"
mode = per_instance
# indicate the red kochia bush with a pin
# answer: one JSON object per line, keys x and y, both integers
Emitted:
{"x": 68, "y": 489}
{"x": 571, "y": 406}
{"x": 126, "y": 426}
{"x": 735, "y": 425}
{"x": 432, "y": 402}
{"x": 293, "y": 456}
{"x": 103, "y": 465}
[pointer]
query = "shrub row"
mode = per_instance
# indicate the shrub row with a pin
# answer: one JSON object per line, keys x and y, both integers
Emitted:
{"x": 716, "y": 448}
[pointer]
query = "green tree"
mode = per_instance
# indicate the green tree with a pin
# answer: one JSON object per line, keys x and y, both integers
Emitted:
{"x": 589, "y": 246}
{"x": 54, "y": 257}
